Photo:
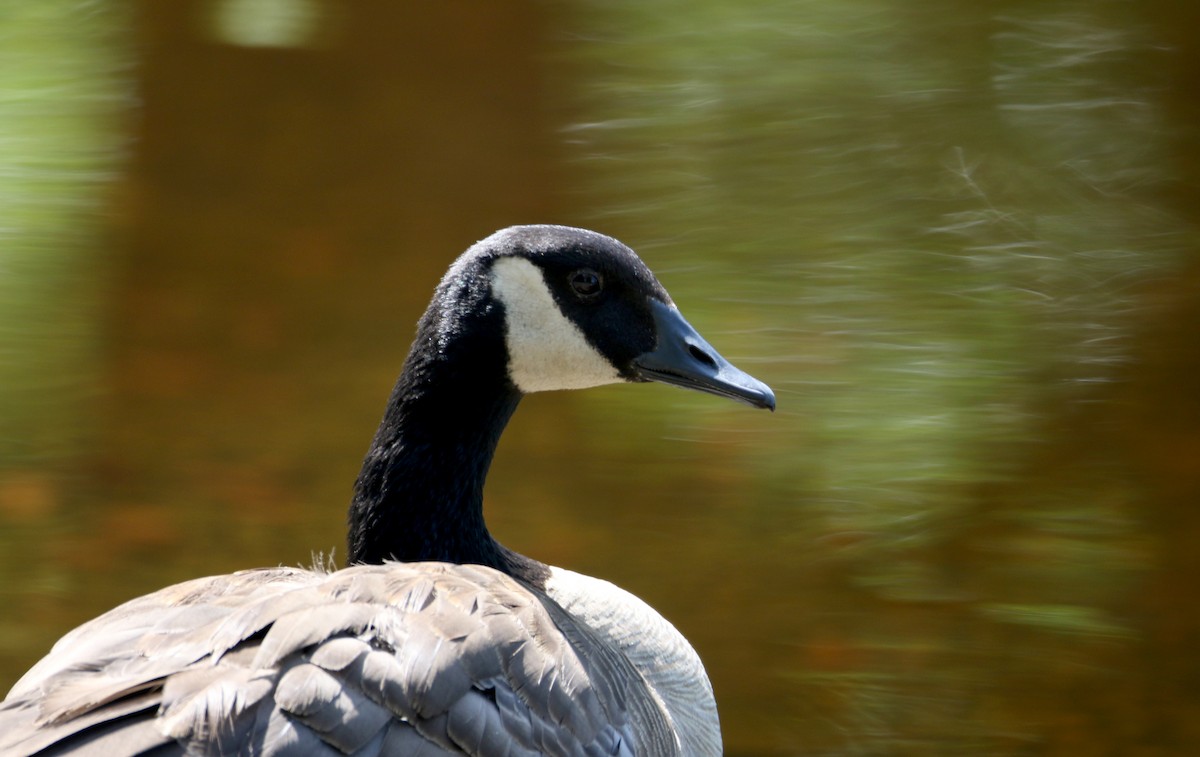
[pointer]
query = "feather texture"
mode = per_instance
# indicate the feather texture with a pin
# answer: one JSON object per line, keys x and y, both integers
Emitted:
{"x": 419, "y": 657}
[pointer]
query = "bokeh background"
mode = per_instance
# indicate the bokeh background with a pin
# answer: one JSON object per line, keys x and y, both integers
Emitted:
{"x": 958, "y": 238}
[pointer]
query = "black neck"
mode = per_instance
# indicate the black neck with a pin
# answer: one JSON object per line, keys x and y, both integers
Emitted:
{"x": 420, "y": 493}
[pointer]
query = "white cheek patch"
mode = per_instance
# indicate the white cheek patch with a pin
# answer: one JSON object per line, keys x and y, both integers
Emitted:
{"x": 545, "y": 350}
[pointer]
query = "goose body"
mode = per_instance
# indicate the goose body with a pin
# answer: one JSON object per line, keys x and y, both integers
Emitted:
{"x": 436, "y": 639}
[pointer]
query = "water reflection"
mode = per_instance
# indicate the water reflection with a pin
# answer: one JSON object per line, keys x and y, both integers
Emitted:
{"x": 958, "y": 210}
{"x": 941, "y": 232}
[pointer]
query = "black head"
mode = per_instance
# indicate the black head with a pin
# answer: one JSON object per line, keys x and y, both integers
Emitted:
{"x": 530, "y": 308}
{"x": 582, "y": 309}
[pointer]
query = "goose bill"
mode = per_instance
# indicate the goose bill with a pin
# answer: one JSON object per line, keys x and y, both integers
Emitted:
{"x": 683, "y": 358}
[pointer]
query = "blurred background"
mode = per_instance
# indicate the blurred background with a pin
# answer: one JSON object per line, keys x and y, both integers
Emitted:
{"x": 958, "y": 239}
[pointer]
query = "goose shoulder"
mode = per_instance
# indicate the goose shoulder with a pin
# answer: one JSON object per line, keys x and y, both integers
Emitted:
{"x": 664, "y": 658}
{"x": 372, "y": 659}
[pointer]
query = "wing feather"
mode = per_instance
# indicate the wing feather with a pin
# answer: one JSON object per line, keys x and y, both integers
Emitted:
{"x": 409, "y": 659}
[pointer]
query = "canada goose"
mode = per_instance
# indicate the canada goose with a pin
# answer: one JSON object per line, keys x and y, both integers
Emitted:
{"x": 462, "y": 647}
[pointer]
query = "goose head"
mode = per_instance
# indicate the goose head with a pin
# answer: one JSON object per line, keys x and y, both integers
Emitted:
{"x": 528, "y": 309}
{"x": 581, "y": 309}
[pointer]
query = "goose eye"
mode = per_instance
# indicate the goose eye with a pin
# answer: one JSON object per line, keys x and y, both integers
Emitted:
{"x": 586, "y": 283}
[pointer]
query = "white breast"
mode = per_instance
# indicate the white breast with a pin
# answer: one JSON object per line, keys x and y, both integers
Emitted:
{"x": 660, "y": 653}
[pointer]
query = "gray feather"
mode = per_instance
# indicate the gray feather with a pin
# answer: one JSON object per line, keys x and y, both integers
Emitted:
{"x": 344, "y": 716}
{"x": 424, "y": 658}
{"x": 304, "y": 627}
{"x": 403, "y": 741}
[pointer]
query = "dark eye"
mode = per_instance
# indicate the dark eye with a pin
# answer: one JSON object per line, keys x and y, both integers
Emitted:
{"x": 586, "y": 283}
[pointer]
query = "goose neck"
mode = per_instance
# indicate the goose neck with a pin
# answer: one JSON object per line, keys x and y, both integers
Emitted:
{"x": 420, "y": 493}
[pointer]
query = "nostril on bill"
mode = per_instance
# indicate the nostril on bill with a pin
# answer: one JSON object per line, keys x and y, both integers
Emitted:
{"x": 702, "y": 356}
